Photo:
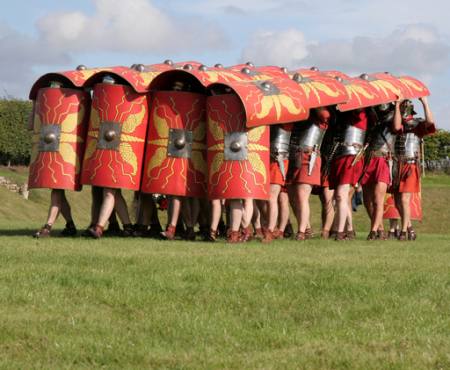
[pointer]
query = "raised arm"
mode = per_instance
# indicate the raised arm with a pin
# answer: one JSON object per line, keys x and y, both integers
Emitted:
{"x": 429, "y": 119}
{"x": 397, "y": 121}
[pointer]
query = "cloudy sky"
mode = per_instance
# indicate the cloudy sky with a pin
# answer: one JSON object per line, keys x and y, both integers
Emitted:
{"x": 354, "y": 36}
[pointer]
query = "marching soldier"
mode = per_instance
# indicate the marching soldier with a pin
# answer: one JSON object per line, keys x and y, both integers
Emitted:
{"x": 410, "y": 131}
{"x": 378, "y": 170}
{"x": 347, "y": 167}
{"x": 59, "y": 123}
{"x": 307, "y": 169}
{"x": 280, "y": 136}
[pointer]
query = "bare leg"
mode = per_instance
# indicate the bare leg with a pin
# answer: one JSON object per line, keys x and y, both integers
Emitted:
{"x": 406, "y": 211}
{"x": 341, "y": 196}
{"x": 247, "y": 213}
{"x": 326, "y": 198}
{"x": 273, "y": 206}
{"x": 107, "y": 206}
{"x": 236, "y": 212}
{"x": 303, "y": 193}
{"x": 283, "y": 204}
{"x": 377, "y": 215}
{"x": 216, "y": 213}
{"x": 175, "y": 211}
{"x": 173, "y": 214}
{"x": 349, "y": 223}
{"x": 55, "y": 206}
{"x": 256, "y": 218}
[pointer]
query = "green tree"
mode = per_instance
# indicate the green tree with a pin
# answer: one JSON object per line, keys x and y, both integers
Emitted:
{"x": 437, "y": 146}
{"x": 15, "y": 139}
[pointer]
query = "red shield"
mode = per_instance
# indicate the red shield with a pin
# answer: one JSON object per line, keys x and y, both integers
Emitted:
{"x": 59, "y": 132}
{"x": 391, "y": 212}
{"x": 175, "y": 162}
{"x": 76, "y": 78}
{"x": 268, "y": 102}
{"x": 413, "y": 88}
{"x": 116, "y": 137}
{"x": 238, "y": 157}
{"x": 319, "y": 89}
{"x": 361, "y": 94}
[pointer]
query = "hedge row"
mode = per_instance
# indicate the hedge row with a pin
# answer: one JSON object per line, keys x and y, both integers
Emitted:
{"x": 15, "y": 139}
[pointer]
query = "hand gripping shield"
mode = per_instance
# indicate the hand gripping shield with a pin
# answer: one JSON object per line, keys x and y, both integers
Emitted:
{"x": 175, "y": 162}
{"x": 59, "y": 132}
{"x": 116, "y": 137}
{"x": 238, "y": 157}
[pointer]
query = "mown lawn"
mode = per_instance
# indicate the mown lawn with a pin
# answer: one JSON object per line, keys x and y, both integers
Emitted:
{"x": 141, "y": 303}
{"x": 118, "y": 303}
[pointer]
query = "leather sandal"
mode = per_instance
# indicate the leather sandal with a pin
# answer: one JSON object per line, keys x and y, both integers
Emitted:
{"x": 96, "y": 231}
{"x": 234, "y": 237}
{"x": 169, "y": 234}
{"x": 309, "y": 233}
{"x": 268, "y": 237}
{"x": 43, "y": 232}
{"x": 412, "y": 235}
{"x": 373, "y": 235}
{"x": 341, "y": 236}
{"x": 351, "y": 235}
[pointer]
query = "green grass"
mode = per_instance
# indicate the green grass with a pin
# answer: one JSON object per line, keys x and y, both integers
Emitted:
{"x": 118, "y": 303}
{"x": 138, "y": 303}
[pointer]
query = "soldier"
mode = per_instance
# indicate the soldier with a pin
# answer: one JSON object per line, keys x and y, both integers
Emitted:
{"x": 115, "y": 148}
{"x": 58, "y": 122}
{"x": 307, "y": 170}
{"x": 410, "y": 132}
{"x": 280, "y": 136}
{"x": 176, "y": 153}
{"x": 378, "y": 169}
{"x": 326, "y": 195}
{"x": 347, "y": 167}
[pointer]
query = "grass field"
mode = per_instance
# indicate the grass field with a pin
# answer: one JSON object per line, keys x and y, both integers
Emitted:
{"x": 138, "y": 303}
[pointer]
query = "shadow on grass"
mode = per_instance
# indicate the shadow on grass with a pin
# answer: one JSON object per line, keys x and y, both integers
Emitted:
{"x": 30, "y": 232}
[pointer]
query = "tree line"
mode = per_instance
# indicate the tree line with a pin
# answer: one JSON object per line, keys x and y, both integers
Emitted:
{"x": 15, "y": 139}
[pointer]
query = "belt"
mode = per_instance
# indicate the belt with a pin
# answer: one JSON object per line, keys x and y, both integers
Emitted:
{"x": 380, "y": 153}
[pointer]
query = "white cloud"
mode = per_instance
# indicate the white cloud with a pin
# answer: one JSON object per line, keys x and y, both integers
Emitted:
{"x": 19, "y": 54}
{"x": 415, "y": 49}
{"x": 128, "y": 26}
{"x": 283, "y": 48}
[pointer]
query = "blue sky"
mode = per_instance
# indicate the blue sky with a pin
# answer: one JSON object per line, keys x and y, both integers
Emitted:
{"x": 403, "y": 37}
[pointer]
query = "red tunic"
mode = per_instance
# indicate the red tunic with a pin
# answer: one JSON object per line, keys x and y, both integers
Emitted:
{"x": 376, "y": 171}
{"x": 276, "y": 177}
{"x": 409, "y": 173}
{"x": 300, "y": 173}
{"x": 342, "y": 172}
